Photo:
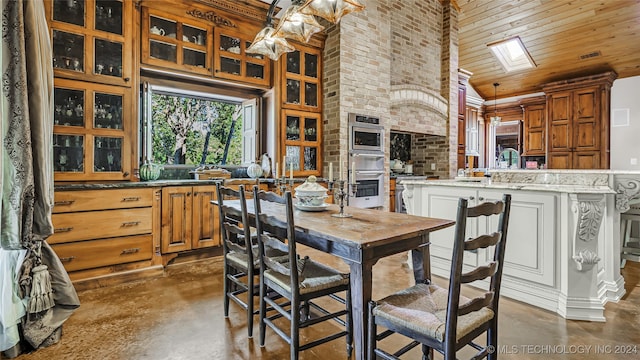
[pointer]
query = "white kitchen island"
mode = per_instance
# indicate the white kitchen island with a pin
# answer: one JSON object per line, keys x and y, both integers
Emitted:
{"x": 563, "y": 244}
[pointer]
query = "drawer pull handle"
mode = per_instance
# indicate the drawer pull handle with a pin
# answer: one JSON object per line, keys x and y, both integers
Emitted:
{"x": 132, "y": 198}
{"x": 61, "y": 230}
{"x": 67, "y": 259}
{"x": 130, "y": 251}
{"x": 63, "y": 202}
{"x": 130, "y": 223}
{"x": 471, "y": 198}
{"x": 481, "y": 198}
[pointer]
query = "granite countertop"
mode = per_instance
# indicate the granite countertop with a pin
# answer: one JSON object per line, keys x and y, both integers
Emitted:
{"x": 598, "y": 189}
{"x": 143, "y": 184}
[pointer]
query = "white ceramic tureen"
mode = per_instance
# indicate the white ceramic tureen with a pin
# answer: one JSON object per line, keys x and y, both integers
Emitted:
{"x": 310, "y": 193}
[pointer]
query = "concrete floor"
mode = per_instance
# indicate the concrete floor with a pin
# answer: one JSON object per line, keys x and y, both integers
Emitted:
{"x": 180, "y": 316}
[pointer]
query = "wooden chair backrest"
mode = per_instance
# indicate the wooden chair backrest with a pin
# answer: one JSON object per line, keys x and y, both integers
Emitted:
{"x": 234, "y": 223}
{"x": 272, "y": 232}
{"x": 493, "y": 269}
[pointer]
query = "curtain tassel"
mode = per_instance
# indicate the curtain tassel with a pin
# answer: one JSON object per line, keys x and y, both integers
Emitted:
{"x": 41, "y": 298}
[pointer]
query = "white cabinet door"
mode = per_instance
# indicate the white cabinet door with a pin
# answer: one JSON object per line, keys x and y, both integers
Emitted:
{"x": 442, "y": 203}
{"x": 530, "y": 245}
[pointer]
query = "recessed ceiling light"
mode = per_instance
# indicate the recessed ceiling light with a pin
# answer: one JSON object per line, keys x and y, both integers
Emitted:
{"x": 512, "y": 54}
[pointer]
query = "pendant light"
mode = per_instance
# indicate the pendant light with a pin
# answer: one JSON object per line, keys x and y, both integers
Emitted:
{"x": 297, "y": 26}
{"x": 331, "y": 10}
{"x": 267, "y": 44}
{"x": 298, "y": 23}
{"x": 495, "y": 119}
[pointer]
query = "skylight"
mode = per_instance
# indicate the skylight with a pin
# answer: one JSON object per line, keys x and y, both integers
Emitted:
{"x": 512, "y": 54}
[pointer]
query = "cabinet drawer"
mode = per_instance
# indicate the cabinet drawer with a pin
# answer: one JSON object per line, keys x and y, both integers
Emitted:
{"x": 105, "y": 252}
{"x": 85, "y": 200}
{"x": 100, "y": 224}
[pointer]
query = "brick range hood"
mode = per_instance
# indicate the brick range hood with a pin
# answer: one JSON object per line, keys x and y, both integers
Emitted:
{"x": 373, "y": 65}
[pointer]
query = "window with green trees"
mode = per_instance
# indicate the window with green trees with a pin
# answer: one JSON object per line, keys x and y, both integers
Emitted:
{"x": 194, "y": 130}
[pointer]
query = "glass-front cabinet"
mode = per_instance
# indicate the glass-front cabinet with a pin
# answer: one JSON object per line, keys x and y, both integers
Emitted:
{"x": 301, "y": 83}
{"x": 92, "y": 39}
{"x": 175, "y": 42}
{"x": 233, "y": 63}
{"x": 91, "y": 128}
{"x": 301, "y": 142}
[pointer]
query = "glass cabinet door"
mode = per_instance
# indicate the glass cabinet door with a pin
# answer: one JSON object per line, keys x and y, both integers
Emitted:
{"x": 68, "y": 51}
{"x": 91, "y": 125}
{"x": 175, "y": 42}
{"x": 301, "y": 82}
{"x": 107, "y": 111}
{"x": 232, "y": 62}
{"x": 90, "y": 40}
{"x": 69, "y": 11}
{"x": 108, "y": 16}
{"x": 301, "y": 142}
{"x": 69, "y": 105}
{"x": 68, "y": 153}
{"x": 107, "y": 58}
{"x": 107, "y": 155}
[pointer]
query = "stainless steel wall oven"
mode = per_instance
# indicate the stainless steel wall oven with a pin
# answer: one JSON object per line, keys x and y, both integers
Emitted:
{"x": 366, "y": 160}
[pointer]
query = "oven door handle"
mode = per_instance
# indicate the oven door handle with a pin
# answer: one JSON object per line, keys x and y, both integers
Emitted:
{"x": 370, "y": 172}
{"x": 377, "y": 156}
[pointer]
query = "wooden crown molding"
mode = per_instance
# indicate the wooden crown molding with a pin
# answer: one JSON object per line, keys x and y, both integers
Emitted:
{"x": 253, "y": 9}
{"x": 605, "y": 78}
{"x": 212, "y": 17}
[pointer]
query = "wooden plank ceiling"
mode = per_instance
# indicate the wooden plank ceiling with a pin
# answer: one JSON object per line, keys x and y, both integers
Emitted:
{"x": 556, "y": 33}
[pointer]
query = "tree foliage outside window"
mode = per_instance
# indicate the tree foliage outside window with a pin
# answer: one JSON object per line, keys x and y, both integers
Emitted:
{"x": 192, "y": 131}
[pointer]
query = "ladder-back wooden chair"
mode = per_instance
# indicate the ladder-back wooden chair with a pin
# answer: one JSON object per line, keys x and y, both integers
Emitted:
{"x": 442, "y": 319}
{"x": 299, "y": 284}
{"x": 241, "y": 263}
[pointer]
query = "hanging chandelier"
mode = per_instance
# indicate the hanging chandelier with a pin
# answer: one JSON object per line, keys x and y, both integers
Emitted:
{"x": 495, "y": 119}
{"x": 298, "y": 23}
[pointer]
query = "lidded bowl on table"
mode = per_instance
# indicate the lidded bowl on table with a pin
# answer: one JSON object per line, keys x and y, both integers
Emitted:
{"x": 310, "y": 193}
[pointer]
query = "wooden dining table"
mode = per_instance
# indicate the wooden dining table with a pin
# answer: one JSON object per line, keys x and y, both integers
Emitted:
{"x": 361, "y": 240}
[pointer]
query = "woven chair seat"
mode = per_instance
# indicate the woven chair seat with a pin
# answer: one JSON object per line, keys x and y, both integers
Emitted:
{"x": 240, "y": 259}
{"x": 423, "y": 309}
{"x": 314, "y": 277}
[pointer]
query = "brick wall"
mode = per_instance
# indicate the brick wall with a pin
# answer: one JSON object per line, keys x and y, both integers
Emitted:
{"x": 430, "y": 149}
{"x": 396, "y": 60}
{"x": 357, "y": 75}
{"x": 450, "y": 78}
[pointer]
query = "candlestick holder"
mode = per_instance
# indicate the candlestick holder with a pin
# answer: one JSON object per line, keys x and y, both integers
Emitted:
{"x": 283, "y": 184}
{"x": 337, "y": 187}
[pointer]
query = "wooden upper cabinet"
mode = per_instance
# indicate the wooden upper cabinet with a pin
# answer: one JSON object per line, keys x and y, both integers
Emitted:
{"x": 301, "y": 120}
{"x": 232, "y": 62}
{"x": 578, "y": 116}
{"x": 300, "y": 83}
{"x": 462, "y": 127}
{"x": 92, "y": 131}
{"x": 302, "y": 142}
{"x": 176, "y": 42}
{"x": 535, "y": 128}
{"x": 92, "y": 40}
{"x": 560, "y": 122}
{"x": 586, "y": 119}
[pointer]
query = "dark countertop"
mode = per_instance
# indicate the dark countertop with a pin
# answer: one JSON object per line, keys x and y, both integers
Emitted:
{"x": 145, "y": 184}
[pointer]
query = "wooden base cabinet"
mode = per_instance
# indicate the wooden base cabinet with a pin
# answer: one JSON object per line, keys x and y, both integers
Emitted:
{"x": 103, "y": 232}
{"x": 189, "y": 220}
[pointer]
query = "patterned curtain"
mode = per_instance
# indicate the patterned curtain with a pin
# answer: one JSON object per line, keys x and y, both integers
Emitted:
{"x": 36, "y": 292}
